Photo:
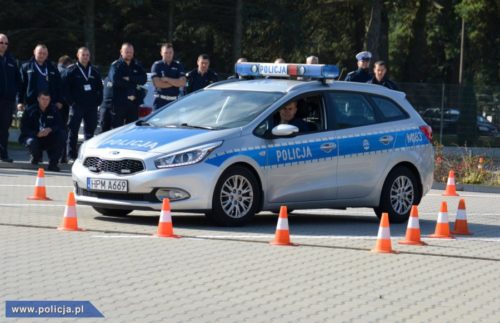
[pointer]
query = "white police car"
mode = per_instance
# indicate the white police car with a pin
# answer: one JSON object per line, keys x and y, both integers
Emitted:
{"x": 223, "y": 151}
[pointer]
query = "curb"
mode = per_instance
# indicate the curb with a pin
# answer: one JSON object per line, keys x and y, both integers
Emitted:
{"x": 469, "y": 188}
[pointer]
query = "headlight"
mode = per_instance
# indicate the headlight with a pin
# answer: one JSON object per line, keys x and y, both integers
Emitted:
{"x": 186, "y": 157}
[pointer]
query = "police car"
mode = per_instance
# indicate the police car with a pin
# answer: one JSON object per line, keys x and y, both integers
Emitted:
{"x": 225, "y": 151}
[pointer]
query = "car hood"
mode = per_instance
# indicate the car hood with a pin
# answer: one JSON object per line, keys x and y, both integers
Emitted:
{"x": 157, "y": 140}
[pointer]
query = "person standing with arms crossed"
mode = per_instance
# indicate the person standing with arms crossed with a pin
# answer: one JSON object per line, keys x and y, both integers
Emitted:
{"x": 82, "y": 86}
{"x": 10, "y": 81}
{"x": 168, "y": 76}
{"x": 126, "y": 76}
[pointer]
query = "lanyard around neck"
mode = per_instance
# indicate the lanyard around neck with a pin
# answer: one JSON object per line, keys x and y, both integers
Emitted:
{"x": 83, "y": 73}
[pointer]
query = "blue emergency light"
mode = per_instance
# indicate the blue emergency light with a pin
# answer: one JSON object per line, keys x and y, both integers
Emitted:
{"x": 313, "y": 71}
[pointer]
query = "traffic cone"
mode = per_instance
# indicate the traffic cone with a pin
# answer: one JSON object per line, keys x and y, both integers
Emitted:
{"x": 413, "y": 229}
{"x": 282, "y": 236}
{"x": 384, "y": 244}
{"x": 461, "y": 220}
{"x": 70, "y": 221}
{"x": 40, "y": 193}
{"x": 165, "y": 227}
{"x": 451, "y": 189}
{"x": 442, "y": 226}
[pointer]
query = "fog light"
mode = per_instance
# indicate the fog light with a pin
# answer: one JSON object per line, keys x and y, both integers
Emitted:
{"x": 173, "y": 194}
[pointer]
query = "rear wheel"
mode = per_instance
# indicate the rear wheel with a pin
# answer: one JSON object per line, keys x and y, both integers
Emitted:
{"x": 112, "y": 212}
{"x": 236, "y": 197}
{"x": 401, "y": 190}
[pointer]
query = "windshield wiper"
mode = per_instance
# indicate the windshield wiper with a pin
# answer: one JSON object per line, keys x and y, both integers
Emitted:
{"x": 196, "y": 127}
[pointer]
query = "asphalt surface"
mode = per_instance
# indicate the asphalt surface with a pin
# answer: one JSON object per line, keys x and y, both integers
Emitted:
{"x": 215, "y": 274}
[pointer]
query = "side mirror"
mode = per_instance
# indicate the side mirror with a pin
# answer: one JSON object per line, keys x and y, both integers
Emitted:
{"x": 283, "y": 130}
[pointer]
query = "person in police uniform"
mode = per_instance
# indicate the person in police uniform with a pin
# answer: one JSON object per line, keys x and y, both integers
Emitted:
{"x": 82, "y": 86}
{"x": 10, "y": 81}
{"x": 236, "y": 75}
{"x": 168, "y": 76}
{"x": 42, "y": 129}
{"x": 127, "y": 77}
{"x": 201, "y": 76}
{"x": 380, "y": 76}
{"x": 362, "y": 74}
{"x": 37, "y": 75}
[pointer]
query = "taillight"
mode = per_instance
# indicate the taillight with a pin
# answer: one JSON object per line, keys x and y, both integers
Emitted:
{"x": 427, "y": 130}
{"x": 144, "y": 111}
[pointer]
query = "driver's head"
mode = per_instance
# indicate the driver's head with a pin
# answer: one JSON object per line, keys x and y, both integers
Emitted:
{"x": 287, "y": 113}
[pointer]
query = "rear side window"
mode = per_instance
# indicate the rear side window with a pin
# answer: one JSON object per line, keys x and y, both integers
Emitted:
{"x": 351, "y": 110}
{"x": 389, "y": 110}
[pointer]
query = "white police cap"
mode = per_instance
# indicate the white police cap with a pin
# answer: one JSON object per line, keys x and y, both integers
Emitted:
{"x": 364, "y": 56}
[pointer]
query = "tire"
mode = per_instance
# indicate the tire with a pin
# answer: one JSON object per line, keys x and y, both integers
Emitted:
{"x": 236, "y": 197}
{"x": 112, "y": 212}
{"x": 401, "y": 190}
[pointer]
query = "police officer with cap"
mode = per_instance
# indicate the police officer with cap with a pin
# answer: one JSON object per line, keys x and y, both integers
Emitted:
{"x": 168, "y": 76}
{"x": 127, "y": 77}
{"x": 10, "y": 81}
{"x": 202, "y": 76}
{"x": 42, "y": 129}
{"x": 362, "y": 74}
{"x": 82, "y": 86}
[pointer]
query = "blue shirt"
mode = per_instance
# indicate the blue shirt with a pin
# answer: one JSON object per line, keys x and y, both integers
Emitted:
{"x": 174, "y": 70}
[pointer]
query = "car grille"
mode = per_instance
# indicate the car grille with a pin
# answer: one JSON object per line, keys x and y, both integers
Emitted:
{"x": 122, "y": 167}
{"x": 140, "y": 197}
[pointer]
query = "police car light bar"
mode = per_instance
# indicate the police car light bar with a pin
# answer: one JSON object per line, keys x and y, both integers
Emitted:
{"x": 315, "y": 71}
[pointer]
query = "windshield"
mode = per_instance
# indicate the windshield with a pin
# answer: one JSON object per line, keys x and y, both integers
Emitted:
{"x": 214, "y": 109}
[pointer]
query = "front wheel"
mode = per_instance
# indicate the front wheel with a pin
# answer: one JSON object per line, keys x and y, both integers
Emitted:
{"x": 236, "y": 197}
{"x": 400, "y": 191}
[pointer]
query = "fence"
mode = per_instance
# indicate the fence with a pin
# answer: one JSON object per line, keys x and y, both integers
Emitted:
{"x": 449, "y": 108}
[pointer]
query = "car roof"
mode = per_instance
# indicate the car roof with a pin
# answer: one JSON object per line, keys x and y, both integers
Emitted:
{"x": 287, "y": 85}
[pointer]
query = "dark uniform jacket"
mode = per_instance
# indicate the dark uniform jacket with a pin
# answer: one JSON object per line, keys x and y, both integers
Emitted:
{"x": 10, "y": 78}
{"x": 122, "y": 88}
{"x": 196, "y": 81}
{"x": 385, "y": 82}
{"x": 174, "y": 70}
{"x": 360, "y": 75}
{"x": 30, "y": 77}
{"x": 82, "y": 90}
{"x": 34, "y": 120}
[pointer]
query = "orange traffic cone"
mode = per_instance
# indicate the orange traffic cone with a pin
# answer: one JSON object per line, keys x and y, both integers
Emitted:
{"x": 384, "y": 244}
{"x": 70, "y": 221}
{"x": 442, "y": 226}
{"x": 461, "y": 220}
{"x": 451, "y": 189}
{"x": 165, "y": 227}
{"x": 413, "y": 229}
{"x": 40, "y": 193}
{"x": 282, "y": 236}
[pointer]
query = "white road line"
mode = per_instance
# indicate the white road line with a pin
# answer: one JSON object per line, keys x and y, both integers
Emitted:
{"x": 22, "y": 185}
{"x": 36, "y": 205}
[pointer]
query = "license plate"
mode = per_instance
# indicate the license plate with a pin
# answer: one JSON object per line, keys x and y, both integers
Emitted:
{"x": 109, "y": 185}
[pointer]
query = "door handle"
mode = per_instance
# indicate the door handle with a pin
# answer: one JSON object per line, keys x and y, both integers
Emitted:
{"x": 386, "y": 139}
{"x": 328, "y": 147}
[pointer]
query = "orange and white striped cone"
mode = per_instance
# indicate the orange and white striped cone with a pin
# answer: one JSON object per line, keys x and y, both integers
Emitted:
{"x": 165, "y": 226}
{"x": 442, "y": 226}
{"x": 451, "y": 188}
{"x": 461, "y": 226}
{"x": 384, "y": 244}
{"x": 40, "y": 192}
{"x": 282, "y": 236}
{"x": 413, "y": 229}
{"x": 70, "y": 221}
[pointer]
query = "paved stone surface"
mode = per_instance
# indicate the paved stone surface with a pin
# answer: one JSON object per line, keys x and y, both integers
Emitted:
{"x": 217, "y": 274}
